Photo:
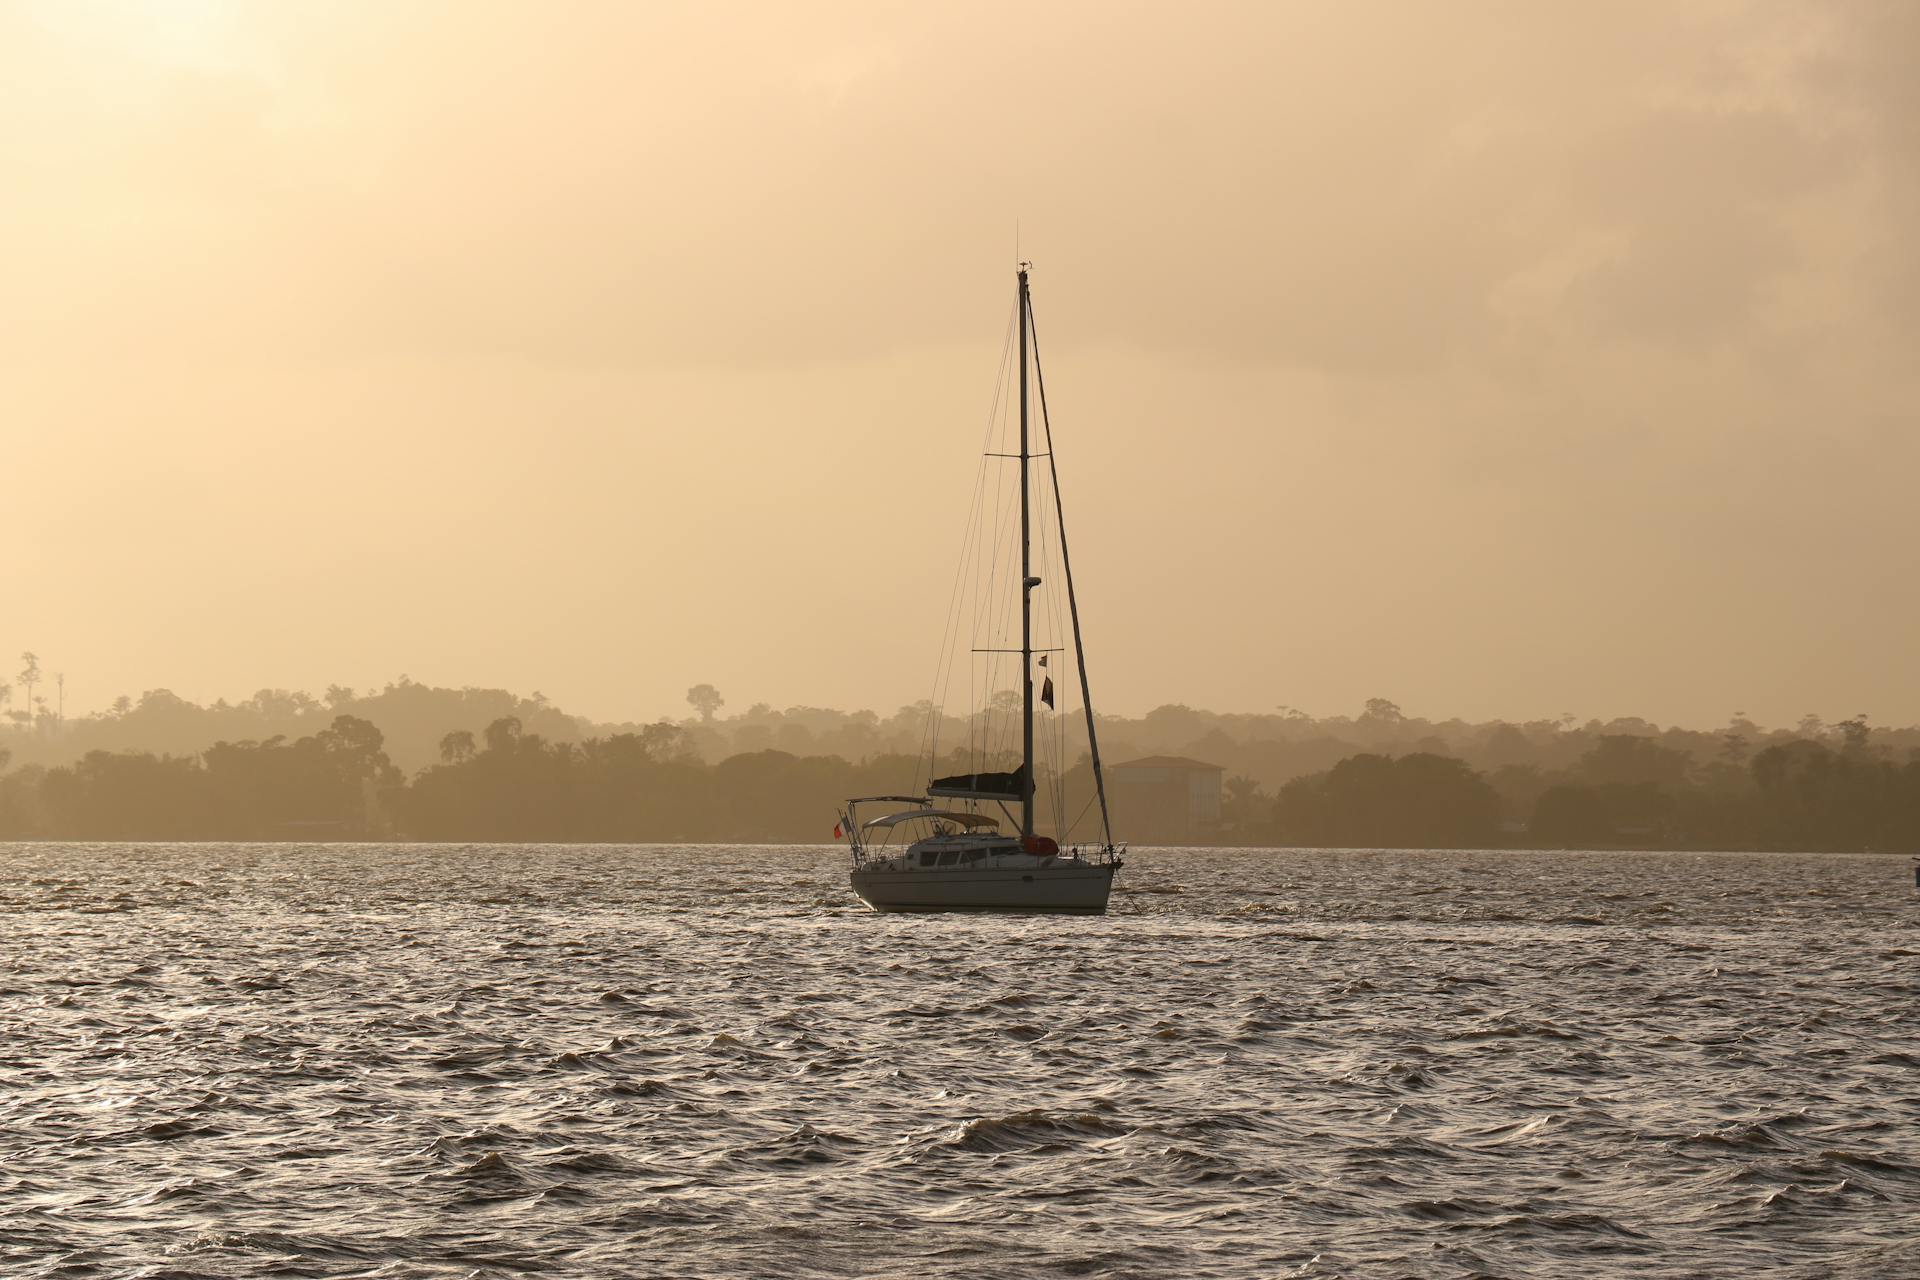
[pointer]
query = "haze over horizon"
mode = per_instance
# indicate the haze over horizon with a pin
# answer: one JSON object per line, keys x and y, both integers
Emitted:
{"x": 1503, "y": 360}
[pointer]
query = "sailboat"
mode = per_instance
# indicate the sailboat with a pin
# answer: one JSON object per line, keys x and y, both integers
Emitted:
{"x": 969, "y": 842}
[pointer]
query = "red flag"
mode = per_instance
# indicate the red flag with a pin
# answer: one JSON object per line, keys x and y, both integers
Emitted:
{"x": 836, "y": 831}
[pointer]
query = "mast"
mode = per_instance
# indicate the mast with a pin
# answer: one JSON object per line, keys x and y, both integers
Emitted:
{"x": 1027, "y": 581}
{"x": 1073, "y": 602}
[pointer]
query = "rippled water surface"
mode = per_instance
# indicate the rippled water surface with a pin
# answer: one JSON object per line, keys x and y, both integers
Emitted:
{"x": 609, "y": 1061}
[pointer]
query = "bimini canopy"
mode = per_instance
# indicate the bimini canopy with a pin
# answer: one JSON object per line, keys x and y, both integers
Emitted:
{"x": 962, "y": 819}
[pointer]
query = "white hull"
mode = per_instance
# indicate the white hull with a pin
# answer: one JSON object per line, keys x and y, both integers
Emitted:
{"x": 1060, "y": 886}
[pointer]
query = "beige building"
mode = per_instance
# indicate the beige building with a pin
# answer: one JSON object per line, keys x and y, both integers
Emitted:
{"x": 1165, "y": 800}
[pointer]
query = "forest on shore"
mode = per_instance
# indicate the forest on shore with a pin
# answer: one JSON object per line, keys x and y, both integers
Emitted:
{"x": 413, "y": 762}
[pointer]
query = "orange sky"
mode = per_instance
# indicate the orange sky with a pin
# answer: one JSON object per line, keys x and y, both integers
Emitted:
{"x": 1502, "y": 359}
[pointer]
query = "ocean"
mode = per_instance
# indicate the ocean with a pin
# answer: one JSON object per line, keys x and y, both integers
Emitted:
{"x": 652, "y": 1061}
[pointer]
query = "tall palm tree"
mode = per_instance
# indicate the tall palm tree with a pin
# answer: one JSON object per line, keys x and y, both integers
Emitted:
{"x": 30, "y": 676}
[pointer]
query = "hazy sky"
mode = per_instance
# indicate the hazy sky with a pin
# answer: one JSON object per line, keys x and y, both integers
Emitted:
{"x": 1501, "y": 359}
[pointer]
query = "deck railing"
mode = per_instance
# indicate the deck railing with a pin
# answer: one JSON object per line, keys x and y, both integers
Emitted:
{"x": 1097, "y": 854}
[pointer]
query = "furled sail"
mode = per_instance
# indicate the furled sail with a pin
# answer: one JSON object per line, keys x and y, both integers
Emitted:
{"x": 982, "y": 786}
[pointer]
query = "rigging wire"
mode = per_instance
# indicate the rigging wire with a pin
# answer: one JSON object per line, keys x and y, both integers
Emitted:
{"x": 1073, "y": 607}
{"x": 1056, "y": 800}
{"x": 989, "y": 556}
{"x": 993, "y": 616}
{"x": 943, "y": 667}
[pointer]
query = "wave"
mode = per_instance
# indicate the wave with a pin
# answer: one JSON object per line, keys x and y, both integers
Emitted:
{"x": 1026, "y": 1130}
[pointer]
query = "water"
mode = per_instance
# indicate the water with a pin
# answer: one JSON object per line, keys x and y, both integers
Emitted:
{"x": 600, "y": 1061}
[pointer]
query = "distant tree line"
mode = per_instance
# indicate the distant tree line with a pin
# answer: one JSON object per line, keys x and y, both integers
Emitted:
{"x": 411, "y": 761}
{"x": 1267, "y": 749}
{"x": 326, "y": 786}
{"x": 506, "y": 784}
{"x": 631, "y": 786}
{"x": 1624, "y": 793}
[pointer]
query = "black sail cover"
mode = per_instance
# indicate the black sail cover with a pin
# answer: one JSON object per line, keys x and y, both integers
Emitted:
{"x": 986, "y": 786}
